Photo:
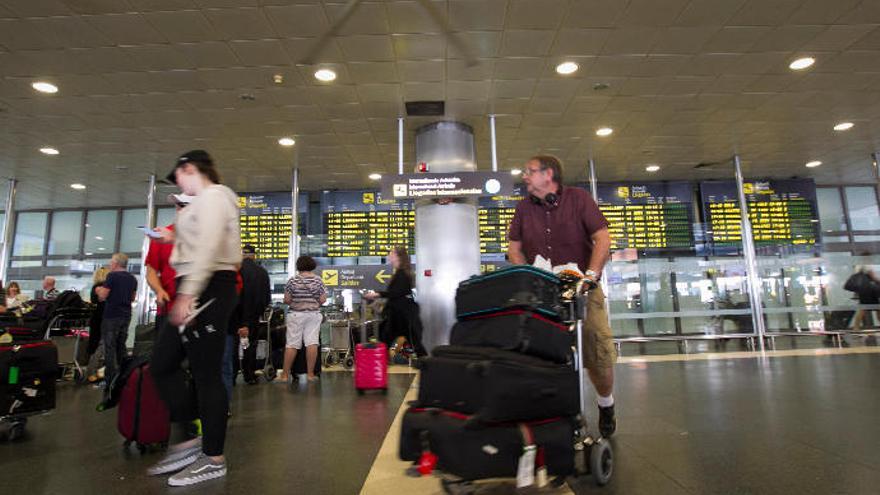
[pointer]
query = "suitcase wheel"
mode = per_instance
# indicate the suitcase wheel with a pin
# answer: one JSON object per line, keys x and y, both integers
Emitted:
{"x": 360, "y": 391}
{"x": 601, "y": 462}
{"x": 384, "y": 391}
{"x": 16, "y": 431}
{"x": 458, "y": 487}
{"x": 142, "y": 448}
{"x": 349, "y": 363}
{"x": 270, "y": 373}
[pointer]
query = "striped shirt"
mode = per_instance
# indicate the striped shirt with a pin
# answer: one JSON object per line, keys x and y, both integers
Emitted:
{"x": 305, "y": 292}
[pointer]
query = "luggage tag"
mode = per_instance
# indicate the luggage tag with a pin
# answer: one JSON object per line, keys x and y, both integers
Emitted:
{"x": 525, "y": 473}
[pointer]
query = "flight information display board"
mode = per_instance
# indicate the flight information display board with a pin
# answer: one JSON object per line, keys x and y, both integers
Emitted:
{"x": 655, "y": 215}
{"x": 362, "y": 223}
{"x": 265, "y": 222}
{"x": 495, "y": 215}
{"x": 781, "y": 212}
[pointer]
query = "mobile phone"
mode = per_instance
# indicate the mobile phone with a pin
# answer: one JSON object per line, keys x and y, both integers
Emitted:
{"x": 149, "y": 232}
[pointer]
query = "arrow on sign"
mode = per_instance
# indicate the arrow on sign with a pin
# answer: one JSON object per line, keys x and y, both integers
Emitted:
{"x": 382, "y": 277}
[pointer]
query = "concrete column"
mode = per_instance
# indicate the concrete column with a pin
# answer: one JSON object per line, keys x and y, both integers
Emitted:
{"x": 8, "y": 224}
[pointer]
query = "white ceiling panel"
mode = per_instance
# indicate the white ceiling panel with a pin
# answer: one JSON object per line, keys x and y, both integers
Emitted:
{"x": 373, "y": 48}
{"x": 183, "y": 26}
{"x": 421, "y": 71}
{"x": 125, "y": 29}
{"x": 419, "y": 47}
{"x": 527, "y": 43}
{"x": 467, "y": 15}
{"x": 260, "y": 52}
{"x": 297, "y": 20}
{"x": 241, "y": 24}
{"x": 535, "y": 14}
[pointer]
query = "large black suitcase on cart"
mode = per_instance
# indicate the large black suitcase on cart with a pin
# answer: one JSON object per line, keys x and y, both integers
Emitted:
{"x": 478, "y": 451}
{"x": 28, "y": 371}
{"x": 516, "y": 330}
{"x": 520, "y": 286}
{"x": 495, "y": 385}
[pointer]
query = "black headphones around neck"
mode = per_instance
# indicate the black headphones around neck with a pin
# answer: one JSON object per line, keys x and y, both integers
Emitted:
{"x": 551, "y": 200}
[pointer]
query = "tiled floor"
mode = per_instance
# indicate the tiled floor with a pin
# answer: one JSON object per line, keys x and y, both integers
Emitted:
{"x": 792, "y": 422}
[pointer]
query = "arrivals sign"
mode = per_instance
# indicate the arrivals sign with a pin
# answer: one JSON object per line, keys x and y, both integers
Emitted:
{"x": 447, "y": 185}
{"x": 370, "y": 277}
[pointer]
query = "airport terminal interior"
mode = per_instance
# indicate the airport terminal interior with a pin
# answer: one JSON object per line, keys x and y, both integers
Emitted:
{"x": 731, "y": 146}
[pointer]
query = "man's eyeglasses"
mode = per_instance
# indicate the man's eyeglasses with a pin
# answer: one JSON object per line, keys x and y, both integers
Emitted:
{"x": 530, "y": 171}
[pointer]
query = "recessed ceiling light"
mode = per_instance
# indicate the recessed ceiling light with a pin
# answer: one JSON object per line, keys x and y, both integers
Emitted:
{"x": 44, "y": 87}
{"x": 286, "y": 141}
{"x": 566, "y": 68}
{"x": 604, "y": 131}
{"x": 802, "y": 63}
{"x": 844, "y": 126}
{"x": 515, "y": 171}
{"x": 49, "y": 151}
{"x": 79, "y": 187}
{"x": 813, "y": 164}
{"x": 101, "y": 249}
{"x": 325, "y": 75}
{"x": 99, "y": 238}
{"x": 375, "y": 176}
{"x": 652, "y": 168}
{"x": 278, "y": 79}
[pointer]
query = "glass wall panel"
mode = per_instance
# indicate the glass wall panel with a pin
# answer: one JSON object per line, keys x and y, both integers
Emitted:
{"x": 862, "y": 204}
{"x": 30, "y": 234}
{"x": 65, "y": 233}
{"x": 164, "y": 216}
{"x": 831, "y": 216}
{"x": 131, "y": 238}
{"x": 100, "y": 232}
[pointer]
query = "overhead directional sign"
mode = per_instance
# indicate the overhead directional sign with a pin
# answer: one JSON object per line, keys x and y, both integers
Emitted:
{"x": 357, "y": 277}
{"x": 447, "y": 185}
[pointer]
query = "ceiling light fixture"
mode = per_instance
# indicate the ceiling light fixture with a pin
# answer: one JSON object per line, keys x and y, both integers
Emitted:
{"x": 287, "y": 141}
{"x": 49, "y": 151}
{"x": 44, "y": 87}
{"x": 375, "y": 176}
{"x": 802, "y": 63}
{"x": 844, "y": 126}
{"x": 99, "y": 238}
{"x": 566, "y": 68}
{"x": 278, "y": 79}
{"x": 79, "y": 187}
{"x": 604, "y": 131}
{"x": 813, "y": 164}
{"x": 516, "y": 171}
{"x": 652, "y": 168}
{"x": 325, "y": 75}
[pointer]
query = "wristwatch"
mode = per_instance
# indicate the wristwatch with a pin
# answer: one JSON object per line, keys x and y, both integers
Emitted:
{"x": 591, "y": 274}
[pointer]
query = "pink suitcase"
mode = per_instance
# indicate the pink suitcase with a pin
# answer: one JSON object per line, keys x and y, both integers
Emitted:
{"x": 370, "y": 367}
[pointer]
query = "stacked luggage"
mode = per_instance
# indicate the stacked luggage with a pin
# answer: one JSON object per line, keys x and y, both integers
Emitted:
{"x": 503, "y": 400}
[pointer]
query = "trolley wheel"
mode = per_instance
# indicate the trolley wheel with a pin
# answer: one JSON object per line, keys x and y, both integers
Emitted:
{"x": 349, "y": 363}
{"x": 16, "y": 431}
{"x": 457, "y": 487}
{"x": 331, "y": 359}
{"x": 79, "y": 377}
{"x": 270, "y": 373}
{"x": 360, "y": 391}
{"x": 601, "y": 462}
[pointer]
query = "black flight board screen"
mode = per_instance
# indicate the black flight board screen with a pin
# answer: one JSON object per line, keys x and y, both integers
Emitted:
{"x": 361, "y": 223}
{"x": 495, "y": 215}
{"x": 265, "y": 222}
{"x": 652, "y": 215}
{"x": 781, "y": 212}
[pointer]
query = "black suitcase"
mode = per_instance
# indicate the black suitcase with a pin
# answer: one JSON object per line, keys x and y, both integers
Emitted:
{"x": 479, "y": 452}
{"x": 516, "y": 330}
{"x": 520, "y": 286}
{"x": 27, "y": 377}
{"x": 495, "y": 385}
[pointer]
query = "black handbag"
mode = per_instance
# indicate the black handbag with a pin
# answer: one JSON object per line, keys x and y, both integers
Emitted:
{"x": 859, "y": 283}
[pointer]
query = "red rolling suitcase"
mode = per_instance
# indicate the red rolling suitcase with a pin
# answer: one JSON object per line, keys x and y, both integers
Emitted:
{"x": 370, "y": 367}
{"x": 143, "y": 417}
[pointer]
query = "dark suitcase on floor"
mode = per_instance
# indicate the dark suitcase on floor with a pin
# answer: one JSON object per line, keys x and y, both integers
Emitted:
{"x": 516, "y": 330}
{"x": 485, "y": 451}
{"x": 27, "y": 377}
{"x": 520, "y": 286}
{"x": 143, "y": 417}
{"x": 496, "y": 385}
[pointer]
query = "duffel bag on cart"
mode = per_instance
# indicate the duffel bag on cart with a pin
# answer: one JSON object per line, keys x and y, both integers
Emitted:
{"x": 520, "y": 286}
{"x": 516, "y": 330}
{"x": 473, "y": 452}
{"x": 495, "y": 385}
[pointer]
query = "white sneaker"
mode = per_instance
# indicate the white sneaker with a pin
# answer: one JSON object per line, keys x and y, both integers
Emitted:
{"x": 176, "y": 459}
{"x": 203, "y": 469}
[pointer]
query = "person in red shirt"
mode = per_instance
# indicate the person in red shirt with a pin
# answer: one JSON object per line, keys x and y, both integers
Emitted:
{"x": 160, "y": 273}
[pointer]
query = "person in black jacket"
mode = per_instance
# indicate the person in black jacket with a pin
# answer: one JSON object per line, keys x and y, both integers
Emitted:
{"x": 400, "y": 317}
{"x": 245, "y": 324}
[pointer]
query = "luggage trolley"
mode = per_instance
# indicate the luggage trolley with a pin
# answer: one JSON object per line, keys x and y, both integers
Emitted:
{"x": 594, "y": 455}
{"x": 71, "y": 323}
